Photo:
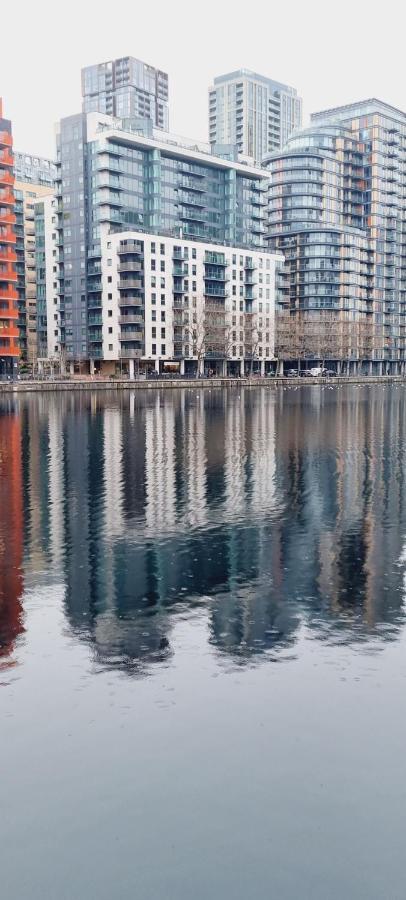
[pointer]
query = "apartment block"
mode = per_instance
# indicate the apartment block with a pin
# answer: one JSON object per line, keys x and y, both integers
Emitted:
{"x": 9, "y": 344}
{"x": 127, "y": 88}
{"x": 26, "y": 195}
{"x": 114, "y": 178}
{"x": 255, "y": 113}
{"x": 337, "y": 200}
{"x": 168, "y": 303}
{"x": 50, "y": 344}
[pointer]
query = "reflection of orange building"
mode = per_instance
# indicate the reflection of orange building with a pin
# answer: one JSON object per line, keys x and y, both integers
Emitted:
{"x": 11, "y": 531}
{"x": 9, "y": 350}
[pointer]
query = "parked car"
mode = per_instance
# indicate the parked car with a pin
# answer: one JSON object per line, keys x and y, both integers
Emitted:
{"x": 291, "y": 373}
{"x": 329, "y": 373}
{"x": 304, "y": 373}
{"x": 316, "y": 371}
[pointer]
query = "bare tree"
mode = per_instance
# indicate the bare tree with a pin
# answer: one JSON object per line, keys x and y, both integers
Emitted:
{"x": 207, "y": 332}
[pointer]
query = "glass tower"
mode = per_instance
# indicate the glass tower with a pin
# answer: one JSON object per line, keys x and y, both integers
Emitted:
{"x": 337, "y": 196}
{"x": 127, "y": 88}
{"x": 252, "y": 112}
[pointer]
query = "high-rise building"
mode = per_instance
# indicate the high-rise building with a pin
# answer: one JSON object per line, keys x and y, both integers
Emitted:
{"x": 49, "y": 336}
{"x": 155, "y": 236}
{"x": 9, "y": 346}
{"x": 337, "y": 200}
{"x": 27, "y": 191}
{"x": 127, "y": 88}
{"x": 252, "y": 112}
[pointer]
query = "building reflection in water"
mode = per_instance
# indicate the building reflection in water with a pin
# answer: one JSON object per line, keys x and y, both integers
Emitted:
{"x": 11, "y": 532}
{"x": 275, "y": 510}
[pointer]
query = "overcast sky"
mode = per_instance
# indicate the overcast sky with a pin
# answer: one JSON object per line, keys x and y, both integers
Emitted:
{"x": 333, "y": 53}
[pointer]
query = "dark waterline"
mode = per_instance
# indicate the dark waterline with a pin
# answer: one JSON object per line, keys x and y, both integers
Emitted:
{"x": 202, "y": 644}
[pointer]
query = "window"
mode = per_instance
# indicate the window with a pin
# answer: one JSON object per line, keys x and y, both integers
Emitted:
{"x": 110, "y": 313}
{"x": 110, "y": 331}
{"x": 163, "y": 349}
{"x": 162, "y": 248}
{"x": 193, "y": 252}
{"x": 163, "y": 299}
{"x": 162, "y": 265}
{"x": 234, "y": 259}
{"x": 109, "y": 279}
{"x": 153, "y": 249}
{"x": 153, "y": 315}
{"x": 163, "y": 333}
{"x": 153, "y": 349}
{"x": 162, "y": 283}
{"x": 109, "y": 296}
{"x": 153, "y": 331}
{"x": 162, "y": 315}
{"x": 110, "y": 346}
{"x": 153, "y": 265}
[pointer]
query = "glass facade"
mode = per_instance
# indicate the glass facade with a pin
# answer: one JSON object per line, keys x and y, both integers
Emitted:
{"x": 112, "y": 180}
{"x": 127, "y": 88}
{"x": 336, "y": 211}
{"x": 252, "y": 112}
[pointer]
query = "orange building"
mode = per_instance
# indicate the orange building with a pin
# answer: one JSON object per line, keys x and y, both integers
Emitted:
{"x": 9, "y": 346}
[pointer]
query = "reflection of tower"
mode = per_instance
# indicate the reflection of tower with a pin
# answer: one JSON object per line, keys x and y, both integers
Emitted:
{"x": 160, "y": 466}
{"x": 11, "y": 536}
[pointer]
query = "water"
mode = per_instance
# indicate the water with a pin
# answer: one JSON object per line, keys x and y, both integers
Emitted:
{"x": 202, "y": 644}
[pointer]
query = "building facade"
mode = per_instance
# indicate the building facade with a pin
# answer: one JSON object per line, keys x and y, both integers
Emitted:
{"x": 127, "y": 88}
{"x": 253, "y": 112}
{"x": 50, "y": 316}
{"x": 337, "y": 196}
{"x": 9, "y": 344}
{"x": 26, "y": 195}
{"x": 111, "y": 181}
{"x": 178, "y": 304}
{"x": 34, "y": 169}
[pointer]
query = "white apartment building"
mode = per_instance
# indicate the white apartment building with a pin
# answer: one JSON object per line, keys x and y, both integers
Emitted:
{"x": 169, "y": 304}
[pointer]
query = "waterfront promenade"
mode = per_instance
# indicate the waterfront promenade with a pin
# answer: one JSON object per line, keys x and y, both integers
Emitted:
{"x": 85, "y": 383}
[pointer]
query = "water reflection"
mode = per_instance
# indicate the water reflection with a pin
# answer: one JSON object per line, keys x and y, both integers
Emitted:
{"x": 273, "y": 510}
{"x": 11, "y": 532}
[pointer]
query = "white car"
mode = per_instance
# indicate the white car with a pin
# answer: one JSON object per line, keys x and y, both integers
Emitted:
{"x": 316, "y": 372}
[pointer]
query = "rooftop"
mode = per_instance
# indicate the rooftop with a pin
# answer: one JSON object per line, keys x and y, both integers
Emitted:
{"x": 247, "y": 73}
{"x": 361, "y": 108}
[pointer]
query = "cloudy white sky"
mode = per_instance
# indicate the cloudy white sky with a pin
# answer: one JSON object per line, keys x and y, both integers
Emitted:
{"x": 333, "y": 53}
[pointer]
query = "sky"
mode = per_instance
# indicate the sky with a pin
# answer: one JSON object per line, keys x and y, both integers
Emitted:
{"x": 333, "y": 53}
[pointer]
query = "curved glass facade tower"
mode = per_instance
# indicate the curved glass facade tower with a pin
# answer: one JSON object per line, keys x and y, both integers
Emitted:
{"x": 336, "y": 200}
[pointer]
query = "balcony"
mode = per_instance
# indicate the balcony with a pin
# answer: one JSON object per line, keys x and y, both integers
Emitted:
{"x": 130, "y": 247}
{"x": 7, "y": 217}
{"x": 7, "y": 255}
{"x": 130, "y": 284}
{"x": 95, "y": 320}
{"x": 6, "y": 159}
{"x": 95, "y": 303}
{"x": 217, "y": 259}
{"x": 94, "y": 287}
{"x": 131, "y": 352}
{"x": 95, "y": 336}
{"x": 6, "y": 139}
{"x": 214, "y": 291}
{"x": 7, "y": 198}
{"x": 130, "y": 266}
{"x": 131, "y": 319}
{"x": 131, "y": 336}
{"x": 6, "y": 177}
{"x": 131, "y": 302}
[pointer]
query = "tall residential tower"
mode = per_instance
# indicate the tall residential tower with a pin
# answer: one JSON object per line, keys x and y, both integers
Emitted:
{"x": 127, "y": 88}
{"x": 162, "y": 253}
{"x": 337, "y": 200}
{"x": 252, "y": 112}
{"x": 9, "y": 345}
